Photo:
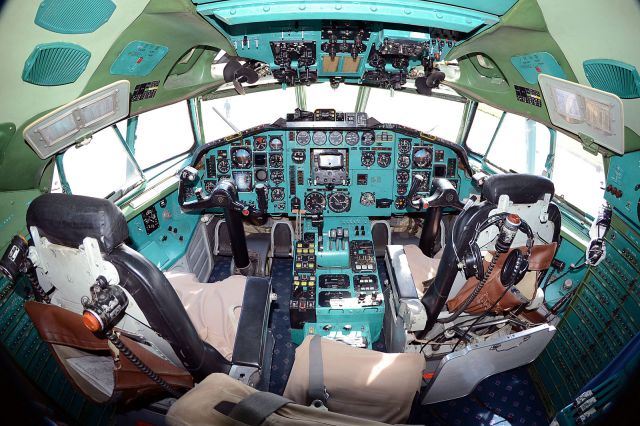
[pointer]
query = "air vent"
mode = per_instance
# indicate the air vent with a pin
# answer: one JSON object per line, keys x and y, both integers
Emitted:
{"x": 614, "y": 77}
{"x": 54, "y": 64}
{"x": 74, "y": 16}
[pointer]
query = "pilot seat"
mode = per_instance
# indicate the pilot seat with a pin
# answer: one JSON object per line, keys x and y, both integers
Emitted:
{"x": 79, "y": 241}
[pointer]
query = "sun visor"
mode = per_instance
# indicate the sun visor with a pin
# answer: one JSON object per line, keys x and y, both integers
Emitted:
{"x": 590, "y": 113}
{"x": 82, "y": 117}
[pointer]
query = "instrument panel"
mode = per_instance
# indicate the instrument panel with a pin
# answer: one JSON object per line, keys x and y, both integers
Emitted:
{"x": 353, "y": 171}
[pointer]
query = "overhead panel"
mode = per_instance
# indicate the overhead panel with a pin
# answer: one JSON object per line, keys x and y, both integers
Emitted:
{"x": 138, "y": 58}
{"x": 54, "y": 64}
{"x": 74, "y": 16}
{"x": 532, "y": 64}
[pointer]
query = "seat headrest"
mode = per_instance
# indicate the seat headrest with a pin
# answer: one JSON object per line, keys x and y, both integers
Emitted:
{"x": 521, "y": 188}
{"x": 68, "y": 219}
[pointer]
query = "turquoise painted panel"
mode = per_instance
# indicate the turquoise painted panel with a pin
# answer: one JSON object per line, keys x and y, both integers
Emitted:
{"x": 622, "y": 191}
{"x": 612, "y": 76}
{"x": 74, "y": 16}
{"x": 138, "y": 58}
{"x": 408, "y": 12}
{"x": 169, "y": 242}
{"x": 532, "y": 64}
{"x": 55, "y": 64}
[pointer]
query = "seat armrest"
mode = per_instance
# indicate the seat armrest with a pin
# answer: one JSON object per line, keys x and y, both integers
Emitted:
{"x": 251, "y": 337}
{"x": 400, "y": 274}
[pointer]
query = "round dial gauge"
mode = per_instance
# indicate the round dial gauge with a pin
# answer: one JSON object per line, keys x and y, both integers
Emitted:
{"x": 404, "y": 146}
{"x": 384, "y": 159}
{"x": 422, "y": 158}
{"x": 275, "y": 160}
{"x": 303, "y": 138}
{"x": 339, "y": 202}
{"x": 277, "y": 194}
{"x": 241, "y": 158}
{"x": 368, "y": 199}
{"x": 275, "y": 144}
{"x": 335, "y": 137}
{"x": 314, "y": 202}
{"x": 402, "y": 189}
{"x": 259, "y": 143}
{"x": 368, "y": 138}
{"x": 261, "y": 175}
{"x": 277, "y": 176}
{"x": 402, "y": 176}
{"x": 401, "y": 203}
{"x": 351, "y": 138}
{"x": 404, "y": 161}
{"x": 368, "y": 158}
{"x": 223, "y": 166}
{"x": 319, "y": 138}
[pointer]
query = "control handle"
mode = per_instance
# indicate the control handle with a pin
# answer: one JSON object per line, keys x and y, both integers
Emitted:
{"x": 261, "y": 191}
{"x": 443, "y": 194}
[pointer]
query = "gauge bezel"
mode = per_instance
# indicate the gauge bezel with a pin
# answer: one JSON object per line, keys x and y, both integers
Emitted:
{"x": 314, "y": 194}
{"x": 347, "y": 199}
{"x": 355, "y": 138}
{"x": 305, "y": 134}
{"x": 367, "y": 153}
{"x": 322, "y": 134}
{"x": 381, "y": 155}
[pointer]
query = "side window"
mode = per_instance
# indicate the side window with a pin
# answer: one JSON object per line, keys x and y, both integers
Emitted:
{"x": 578, "y": 175}
{"x": 162, "y": 134}
{"x": 521, "y": 145}
{"x": 101, "y": 166}
{"x": 483, "y": 127}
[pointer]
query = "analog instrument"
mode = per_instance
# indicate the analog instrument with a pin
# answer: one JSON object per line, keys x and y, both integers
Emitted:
{"x": 209, "y": 185}
{"x": 422, "y": 158}
{"x": 339, "y": 202}
{"x": 277, "y": 194}
{"x": 351, "y": 138}
{"x": 335, "y": 137}
{"x": 259, "y": 143}
{"x": 319, "y": 137}
{"x": 241, "y": 158}
{"x": 401, "y": 203}
{"x": 298, "y": 156}
{"x": 404, "y": 161}
{"x": 368, "y": 138}
{"x": 402, "y": 189}
{"x": 275, "y": 144}
{"x": 261, "y": 175}
{"x": 402, "y": 176}
{"x": 368, "y": 199}
{"x": 275, "y": 160}
{"x": 404, "y": 145}
{"x": 384, "y": 159}
{"x": 277, "y": 176}
{"x": 368, "y": 158}
{"x": 303, "y": 138}
{"x": 314, "y": 202}
{"x": 223, "y": 165}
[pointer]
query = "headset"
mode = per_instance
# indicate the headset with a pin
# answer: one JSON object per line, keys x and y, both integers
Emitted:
{"x": 516, "y": 264}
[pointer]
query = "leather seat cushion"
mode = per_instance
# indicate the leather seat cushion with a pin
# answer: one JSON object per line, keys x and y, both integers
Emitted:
{"x": 423, "y": 268}
{"x": 214, "y": 308}
{"x": 360, "y": 382}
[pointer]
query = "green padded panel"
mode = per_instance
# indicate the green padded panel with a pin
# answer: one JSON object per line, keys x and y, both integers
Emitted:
{"x": 613, "y": 76}
{"x": 54, "y": 64}
{"x": 74, "y": 16}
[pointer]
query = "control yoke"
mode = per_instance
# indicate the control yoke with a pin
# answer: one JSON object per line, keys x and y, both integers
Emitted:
{"x": 443, "y": 194}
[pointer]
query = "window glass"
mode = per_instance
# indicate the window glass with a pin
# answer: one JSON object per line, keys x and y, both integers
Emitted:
{"x": 322, "y": 96}
{"x": 521, "y": 146}
{"x": 429, "y": 114}
{"x": 483, "y": 127}
{"x": 578, "y": 175}
{"x": 100, "y": 167}
{"x": 246, "y": 111}
{"x": 162, "y": 134}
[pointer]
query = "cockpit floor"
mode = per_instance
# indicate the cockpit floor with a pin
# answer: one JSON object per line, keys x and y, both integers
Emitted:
{"x": 507, "y": 398}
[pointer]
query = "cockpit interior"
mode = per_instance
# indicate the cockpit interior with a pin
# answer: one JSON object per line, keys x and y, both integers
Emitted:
{"x": 320, "y": 212}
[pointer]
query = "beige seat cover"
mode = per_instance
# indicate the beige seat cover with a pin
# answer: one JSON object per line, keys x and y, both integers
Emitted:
{"x": 360, "y": 382}
{"x": 423, "y": 268}
{"x": 214, "y": 308}
{"x": 197, "y": 408}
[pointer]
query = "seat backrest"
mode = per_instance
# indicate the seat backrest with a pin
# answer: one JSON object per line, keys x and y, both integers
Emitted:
{"x": 526, "y": 195}
{"x": 78, "y": 238}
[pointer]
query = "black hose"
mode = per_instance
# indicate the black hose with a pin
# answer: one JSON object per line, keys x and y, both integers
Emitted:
{"x": 473, "y": 294}
{"x": 32, "y": 276}
{"x": 113, "y": 338}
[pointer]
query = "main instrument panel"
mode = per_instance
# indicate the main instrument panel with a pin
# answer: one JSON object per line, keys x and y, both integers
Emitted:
{"x": 333, "y": 164}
